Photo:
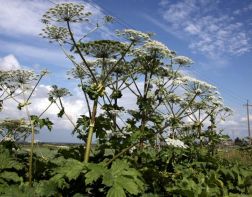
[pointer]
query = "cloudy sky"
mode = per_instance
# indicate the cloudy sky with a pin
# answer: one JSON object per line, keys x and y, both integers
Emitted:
{"x": 216, "y": 34}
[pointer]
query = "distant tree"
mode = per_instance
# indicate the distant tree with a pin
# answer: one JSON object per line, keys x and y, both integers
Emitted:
{"x": 241, "y": 142}
{"x": 238, "y": 141}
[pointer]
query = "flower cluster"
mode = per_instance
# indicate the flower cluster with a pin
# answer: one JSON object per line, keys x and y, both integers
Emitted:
{"x": 173, "y": 98}
{"x": 124, "y": 134}
{"x": 133, "y": 35}
{"x": 78, "y": 72}
{"x": 22, "y": 76}
{"x": 103, "y": 48}
{"x": 54, "y": 33}
{"x": 153, "y": 48}
{"x": 58, "y": 93}
{"x": 66, "y": 12}
{"x": 197, "y": 83}
{"x": 182, "y": 60}
{"x": 175, "y": 143}
{"x": 157, "y": 46}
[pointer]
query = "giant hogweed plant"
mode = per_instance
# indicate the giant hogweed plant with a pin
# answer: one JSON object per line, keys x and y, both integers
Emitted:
{"x": 139, "y": 148}
{"x": 108, "y": 55}
{"x": 116, "y": 66}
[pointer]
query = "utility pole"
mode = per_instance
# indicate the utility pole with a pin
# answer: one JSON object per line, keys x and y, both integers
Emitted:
{"x": 249, "y": 133}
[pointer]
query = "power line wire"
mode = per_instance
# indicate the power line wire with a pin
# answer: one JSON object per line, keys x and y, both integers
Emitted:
{"x": 118, "y": 19}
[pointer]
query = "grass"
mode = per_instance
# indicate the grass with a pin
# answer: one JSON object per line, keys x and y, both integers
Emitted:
{"x": 236, "y": 154}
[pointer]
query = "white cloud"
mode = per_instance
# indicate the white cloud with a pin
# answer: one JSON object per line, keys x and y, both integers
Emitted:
{"x": 245, "y": 118}
{"x": 9, "y": 62}
{"x": 210, "y": 30}
{"x": 230, "y": 123}
{"x": 21, "y": 17}
{"x": 20, "y": 22}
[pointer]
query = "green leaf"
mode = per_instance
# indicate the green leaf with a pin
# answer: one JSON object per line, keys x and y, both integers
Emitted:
{"x": 240, "y": 180}
{"x": 71, "y": 169}
{"x": 131, "y": 172}
{"x": 10, "y": 176}
{"x": 108, "y": 179}
{"x": 150, "y": 195}
{"x": 16, "y": 190}
{"x": 116, "y": 191}
{"x": 7, "y": 162}
{"x": 59, "y": 180}
{"x": 109, "y": 152}
{"x": 96, "y": 171}
{"x": 41, "y": 122}
{"x": 120, "y": 174}
{"x": 118, "y": 166}
{"x": 128, "y": 184}
{"x": 46, "y": 188}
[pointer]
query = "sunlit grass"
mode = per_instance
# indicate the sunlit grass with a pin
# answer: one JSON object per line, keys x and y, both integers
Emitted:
{"x": 235, "y": 154}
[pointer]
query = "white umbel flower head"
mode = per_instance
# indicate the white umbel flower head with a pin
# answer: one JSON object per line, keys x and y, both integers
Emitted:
{"x": 175, "y": 143}
{"x": 133, "y": 35}
{"x": 157, "y": 47}
{"x": 202, "y": 84}
{"x": 182, "y": 60}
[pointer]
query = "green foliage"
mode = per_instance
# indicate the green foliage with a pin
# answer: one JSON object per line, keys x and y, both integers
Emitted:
{"x": 71, "y": 169}
{"x": 120, "y": 178}
{"x": 7, "y": 162}
{"x": 10, "y": 177}
{"x": 95, "y": 172}
{"x": 73, "y": 152}
{"x": 22, "y": 190}
{"x": 46, "y": 188}
{"x": 41, "y": 122}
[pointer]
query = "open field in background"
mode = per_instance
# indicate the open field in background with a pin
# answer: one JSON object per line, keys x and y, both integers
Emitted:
{"x": 43, "y": 150}
{"x": 236, "y": 154}
{"x": 231, "y": 153}
{"x": 49, "y": 150}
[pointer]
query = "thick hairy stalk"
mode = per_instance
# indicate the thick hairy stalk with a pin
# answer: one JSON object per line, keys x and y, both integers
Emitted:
{"x": 90, "y": 131}
{"x": 32, "y": 141}
{"x": 31, "y": 153}
{"x": 80, "y": 54}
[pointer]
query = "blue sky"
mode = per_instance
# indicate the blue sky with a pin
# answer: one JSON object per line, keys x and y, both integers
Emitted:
{"x": 216, "y": 34}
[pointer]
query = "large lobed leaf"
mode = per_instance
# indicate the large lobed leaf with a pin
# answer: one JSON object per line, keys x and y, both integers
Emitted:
{"x": 8, "y": 162}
